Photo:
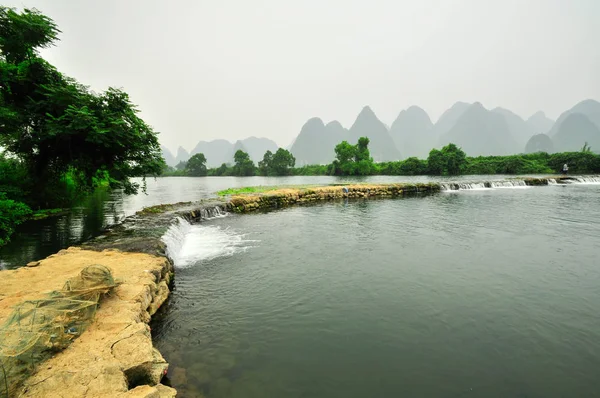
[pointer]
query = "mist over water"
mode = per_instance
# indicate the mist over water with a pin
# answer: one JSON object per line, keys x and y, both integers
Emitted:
{"x": 489, "y": 292}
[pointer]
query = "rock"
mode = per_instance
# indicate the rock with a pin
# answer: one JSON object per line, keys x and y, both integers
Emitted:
{"x": 159, "y": 391}
{"x": 33, "y": 264}
{"x": 161, "y": 296}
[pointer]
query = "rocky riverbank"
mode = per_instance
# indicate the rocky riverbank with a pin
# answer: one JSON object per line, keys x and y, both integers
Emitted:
{"x": 114, "y": 356}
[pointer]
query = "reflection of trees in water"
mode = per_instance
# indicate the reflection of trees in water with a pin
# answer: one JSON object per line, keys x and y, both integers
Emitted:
{"x": 35, "y": 240}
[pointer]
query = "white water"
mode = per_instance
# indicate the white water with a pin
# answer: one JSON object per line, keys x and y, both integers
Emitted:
{"x": 486, "y": 185}
{"x": 552, "y": 181}
{"x": 592, "y": 180}
{"x": 189, "y": 244}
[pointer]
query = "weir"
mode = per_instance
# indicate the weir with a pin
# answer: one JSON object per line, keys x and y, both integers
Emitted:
{"x": 115, "y": 356}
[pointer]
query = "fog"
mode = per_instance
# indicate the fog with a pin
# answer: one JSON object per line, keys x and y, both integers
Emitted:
{"x": 201, "y": 70}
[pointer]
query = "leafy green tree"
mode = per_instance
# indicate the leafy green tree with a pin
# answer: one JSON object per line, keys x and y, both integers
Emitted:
{"x": 436, "y": 162}
{"x": 451, "y": 160}
{"x": 56, "y": 126}
{"x": 344, "y": 158}
{"x": 283, "y": 162}
{"x": 181, "y": 165}
{"x": 222, "y": 170}
{"x": 353, "y": 159}
{"x": 455, "y": 159}
{"x": 243, "y": 164}
{"x": 196, "y": 165}
{"x": 264, "y": 166}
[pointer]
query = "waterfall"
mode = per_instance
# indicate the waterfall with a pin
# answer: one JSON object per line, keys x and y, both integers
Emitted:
{"x": 552, "y": 181}
{"x": 189, "y": 244}
{"x": 456, "y": 186}
{"x": 508, "y": 184}
{"x": 460, "y": 186}
{"x": 174, "y": 238}
{"x": 587, "y": 180}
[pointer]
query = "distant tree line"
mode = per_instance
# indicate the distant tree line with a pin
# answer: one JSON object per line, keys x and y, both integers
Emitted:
{"x": 280, "y": 163}
{"x": 355, "y": 160}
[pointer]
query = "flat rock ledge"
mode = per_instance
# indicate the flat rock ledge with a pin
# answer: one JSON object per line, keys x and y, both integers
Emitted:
{"x": 114, "y": 357}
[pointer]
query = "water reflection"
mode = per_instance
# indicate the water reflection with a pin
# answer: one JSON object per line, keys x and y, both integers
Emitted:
{"x": 37, "y": 239}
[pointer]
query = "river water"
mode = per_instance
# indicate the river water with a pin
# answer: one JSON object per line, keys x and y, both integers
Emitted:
{"x": 35, "y": 240}
{"x": 470, "y": 293}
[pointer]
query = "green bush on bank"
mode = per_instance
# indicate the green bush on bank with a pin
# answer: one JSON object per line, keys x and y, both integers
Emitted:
{"x": 12, "y": 213}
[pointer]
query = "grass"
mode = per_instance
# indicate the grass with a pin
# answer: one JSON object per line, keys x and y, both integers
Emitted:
{"x": 42, "y": 214}
{"x": 260, "y": 189}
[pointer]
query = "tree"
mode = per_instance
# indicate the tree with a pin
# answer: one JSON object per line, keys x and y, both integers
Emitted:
{"x": 57, "y": 126}
{"x": 196, "y": 165}
{"x": 435, "y": 162}
{"x": 181, "y": 165}
{"x": 455, "y": 159}
{"x": 353, "y": 159}
{"x": 344, "y": 158}
{"x": 451, "y": 160}
{"x": 243, "y": 164}
{"x": 264, "y": 166}
{"x": 282, "y": 163}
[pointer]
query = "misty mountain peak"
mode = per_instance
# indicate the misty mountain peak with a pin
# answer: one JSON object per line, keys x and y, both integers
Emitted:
{"x": 367, "y": 113}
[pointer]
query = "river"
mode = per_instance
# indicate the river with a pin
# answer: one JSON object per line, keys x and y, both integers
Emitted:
{"x": 470, "y": 293}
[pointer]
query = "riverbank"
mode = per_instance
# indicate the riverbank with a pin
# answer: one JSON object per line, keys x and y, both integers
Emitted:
{"x": 115, "y": 356}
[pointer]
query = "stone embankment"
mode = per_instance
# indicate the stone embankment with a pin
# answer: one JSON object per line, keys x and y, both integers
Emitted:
{"x": 291, "y": 196}
{"x": 114, "y": 356}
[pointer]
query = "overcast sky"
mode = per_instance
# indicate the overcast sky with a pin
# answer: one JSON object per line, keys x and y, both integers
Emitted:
{"x": 201, "y": 70}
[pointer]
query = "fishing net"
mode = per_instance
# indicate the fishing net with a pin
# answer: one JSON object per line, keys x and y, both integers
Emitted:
{"x": 37, "y": 329}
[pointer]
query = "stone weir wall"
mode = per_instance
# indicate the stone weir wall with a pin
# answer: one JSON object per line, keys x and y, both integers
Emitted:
{"x": 114, "y": 356}
{"x": 297, "y": 196}
{"x": 284, "y": 197}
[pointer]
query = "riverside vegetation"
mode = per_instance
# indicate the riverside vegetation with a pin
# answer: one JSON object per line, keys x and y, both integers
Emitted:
{"x": 355, "y": 160}
{"x": 60, "y": 140}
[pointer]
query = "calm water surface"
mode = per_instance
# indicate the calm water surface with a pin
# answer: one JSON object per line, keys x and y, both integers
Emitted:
{"x": 482, "y": 293}
{"x": 491, "y": 293}
{"x": 38, "y": 239}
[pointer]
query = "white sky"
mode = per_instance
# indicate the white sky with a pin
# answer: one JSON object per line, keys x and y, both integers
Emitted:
{"x": 201, "y": 70}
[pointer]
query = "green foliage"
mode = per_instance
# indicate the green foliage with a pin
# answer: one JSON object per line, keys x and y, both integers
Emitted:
{"x": 436, "y": 162}
{"x": 451, "y": 160}
{"x": 353, "y": 159}
{"x": 66, "y": 136}
{"x": 312, "y": 170}
{"x": 12, "y": 213}
{"x": 279, "y": 164}
{"x": 181, "y": 165}
{"x": 243, "y": 164}
{"x": 196, "y": 165}
{"x": 222, "y": 170}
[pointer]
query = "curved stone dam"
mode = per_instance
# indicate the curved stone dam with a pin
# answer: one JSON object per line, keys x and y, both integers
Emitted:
{"x": 114, "y": 355}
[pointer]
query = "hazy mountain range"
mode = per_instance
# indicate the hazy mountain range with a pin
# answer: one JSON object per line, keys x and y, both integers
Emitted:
{"x": 478, "y": 130}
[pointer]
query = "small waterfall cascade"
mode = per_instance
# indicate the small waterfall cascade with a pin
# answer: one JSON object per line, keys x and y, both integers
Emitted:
{"x": 174, "y": 238}
{"x": 459, "y": 186}
{"x": 586, "y": 180}
{"x": 552, "y": 181}
{"x": 188, "y": 243}
{"x": 508, "y": 184}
